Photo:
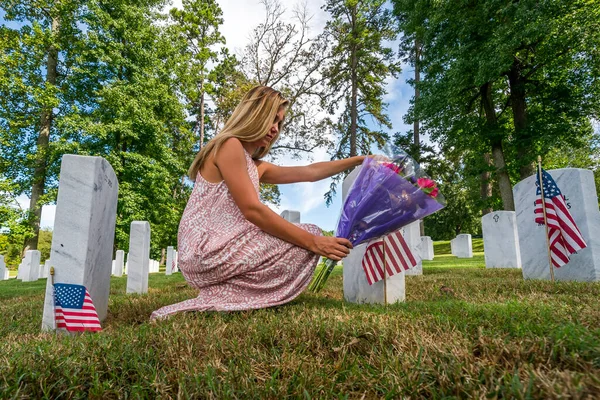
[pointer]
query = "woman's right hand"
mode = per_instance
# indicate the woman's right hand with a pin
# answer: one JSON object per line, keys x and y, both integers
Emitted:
{"x": 331, "y": 247}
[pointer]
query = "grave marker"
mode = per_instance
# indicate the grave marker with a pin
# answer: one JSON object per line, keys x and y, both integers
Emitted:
{"x": 84, "y": 230}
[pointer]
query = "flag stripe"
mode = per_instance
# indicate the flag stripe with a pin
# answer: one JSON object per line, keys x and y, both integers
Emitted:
{"x": 563, "y": 234}
{"x": 398, "y": 257}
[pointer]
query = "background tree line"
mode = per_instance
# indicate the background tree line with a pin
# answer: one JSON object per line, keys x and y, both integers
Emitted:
{"x": 497, "y": 83}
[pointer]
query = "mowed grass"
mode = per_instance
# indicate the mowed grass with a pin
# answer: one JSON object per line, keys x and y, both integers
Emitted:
{"x": 491, "y": 335}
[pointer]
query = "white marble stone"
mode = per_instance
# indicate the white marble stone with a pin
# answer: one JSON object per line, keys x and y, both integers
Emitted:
{"x": 119, "y": 256}
{"x": 170, "y": 260}
{"x": 463, "y": 246}
{"x": 138, "y": 257}
{"x": 358, "y": 290}
{"x": 412, "y": 236}
{"x": 4, "y": 274}
{"x": 356, "y": 287}
{"x": 45, "y": 269}
{"x": 84, "y": 230}
{"x": 126, "y": 264}
{"x": 31, "y": 264}
{"x": 20, "y": 270}
{"x": 452, "y": 250}
{"x": 578, "y": 187}
{"x": 153, "y": 266}
{"x": 501, "y": 240}
{"x": 426, "y": 248}
{"x": 176, "y": 261}
{"x": 291, "y": 216}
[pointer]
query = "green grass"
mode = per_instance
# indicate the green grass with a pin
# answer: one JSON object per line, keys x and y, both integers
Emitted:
{"x": 492, "y": 335}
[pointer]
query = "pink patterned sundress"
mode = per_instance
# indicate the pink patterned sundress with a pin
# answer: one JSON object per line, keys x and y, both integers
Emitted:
{"x": 234, "y": 264}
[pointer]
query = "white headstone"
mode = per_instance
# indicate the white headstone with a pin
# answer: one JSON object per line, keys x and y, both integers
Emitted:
{"x": 579, "y": 189}
{"x": 358, "y": 290}
{"x": 176, "y": 261}
{"x": 501, "y": 240}
{"x": 170, "y": 260}
{"x": 291, "y": 216}
{"x": 20, "y": 271}
{"x": 452, "y": 250}
{"x": 4, "y": 274}
{"x": 412, "y": 236}
{"x": 31, "y": 264}
{"x": 138, "y": 257}
{"x": 126, "y": 264}
{"x": 463, "y": 246}
{"x": 356, "y": 287}
{"x": 426, "y": 248}
{"x": 119, "y": 255}
{"x": 45, "y": 269}
{"x": 84, "y": 230}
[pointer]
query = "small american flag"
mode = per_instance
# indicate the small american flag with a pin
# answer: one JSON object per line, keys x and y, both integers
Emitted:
{"x": 398, "y": 257}
{"x": 563, "y": 234}
{"x": 74, "y": 310}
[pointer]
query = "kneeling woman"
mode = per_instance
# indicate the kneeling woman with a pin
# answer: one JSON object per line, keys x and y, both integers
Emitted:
{"x": 239, "y": 253}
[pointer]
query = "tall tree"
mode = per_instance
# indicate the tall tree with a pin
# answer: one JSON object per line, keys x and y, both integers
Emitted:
{"x": 198, "y": 25}
{"x": 138, "y": 123}
{"x": 288, "y": 56}
{"x": 357, "y": 72}
{"x": 37, "y": 94}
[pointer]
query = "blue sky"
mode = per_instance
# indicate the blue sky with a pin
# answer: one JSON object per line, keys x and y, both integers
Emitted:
{"x": 240, "y": 17}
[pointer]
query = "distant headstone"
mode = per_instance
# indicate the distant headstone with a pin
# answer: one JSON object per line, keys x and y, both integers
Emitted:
{"x": 4, "y": 273}
{"x": 356, "y": 287}
{"x": 501, "y": 240}
{"x": 170, "y": 260}
{"x": 463, "y": 246}
{"x": 126, "y": 264}
{"x": 84, "y": 231}
{"x": 119, "y": 255}
{"x": 20, "y": 270}
{"x": 138, "y": 257}
{"x": 31, "y": 265}
{"x": 579, "y": 190}
{"x": 291, "y": 216}
{"x": 452, "y": 250}
{"x": 426, "y": 248}
{"x": 412, "y": 236}
{"x": 176, "y": 261}
{"x": 45, "y": 269}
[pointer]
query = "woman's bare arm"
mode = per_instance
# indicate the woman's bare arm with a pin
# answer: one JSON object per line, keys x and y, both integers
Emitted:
{"x": 232, "y": 164}
{"x": 271, "y": 173}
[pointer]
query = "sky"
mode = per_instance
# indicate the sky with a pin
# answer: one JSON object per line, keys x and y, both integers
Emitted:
{"x": 240, "y": 17}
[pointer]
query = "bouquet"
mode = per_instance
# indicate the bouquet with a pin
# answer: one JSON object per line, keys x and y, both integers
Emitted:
{"x": 385, "y": 196}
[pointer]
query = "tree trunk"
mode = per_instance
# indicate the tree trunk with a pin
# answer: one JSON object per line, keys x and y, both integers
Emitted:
{"x": 201, "y": 121}
{"x": 519, "y": 109}
{"x": 486, "y": 185}
{"x": 416, "y": 139}
{"x": 43, "y": 140}
{"x": 506, "y": 193}
{"x": 354, "y": 98}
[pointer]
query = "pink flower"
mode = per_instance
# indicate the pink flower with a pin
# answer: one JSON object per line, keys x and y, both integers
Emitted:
{"x": 393, "y": 167}
{"x": 425, "y": 183}
{"x": 428, "y": 186}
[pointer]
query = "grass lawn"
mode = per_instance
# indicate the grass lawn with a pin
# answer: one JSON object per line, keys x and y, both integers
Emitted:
{"x": 494, "y": 336}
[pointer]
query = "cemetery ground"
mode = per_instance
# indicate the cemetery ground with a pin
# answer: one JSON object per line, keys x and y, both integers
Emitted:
{"x": 463, "y": 331}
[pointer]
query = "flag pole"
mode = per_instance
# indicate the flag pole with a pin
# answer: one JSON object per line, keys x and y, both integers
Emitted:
{"x": 384, "y": 276}
{"x": 540, "y": 180}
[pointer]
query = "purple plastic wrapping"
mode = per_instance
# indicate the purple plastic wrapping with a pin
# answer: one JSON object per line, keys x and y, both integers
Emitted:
{"x": 384, "y": 197}
{"x": 380, "y": 201}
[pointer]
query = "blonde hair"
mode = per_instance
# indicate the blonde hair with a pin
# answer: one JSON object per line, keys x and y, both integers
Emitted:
{"x": 249, "y": 122}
